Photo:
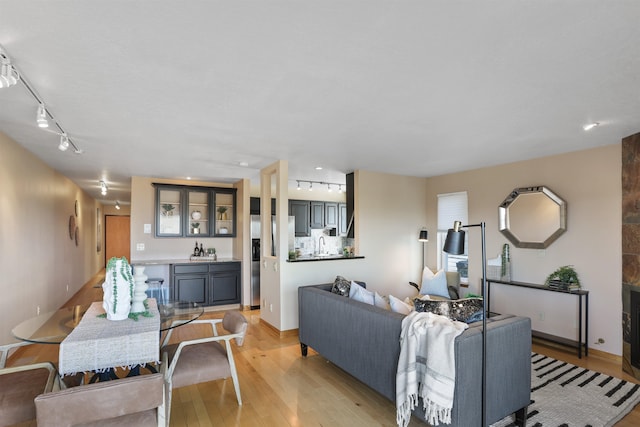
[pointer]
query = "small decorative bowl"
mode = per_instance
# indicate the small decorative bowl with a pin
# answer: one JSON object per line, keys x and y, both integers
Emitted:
{"x": 196, "y": 215}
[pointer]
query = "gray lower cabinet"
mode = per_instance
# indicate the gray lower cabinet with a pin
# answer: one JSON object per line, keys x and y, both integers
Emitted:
{"x": 224, "y": 283}
{"x": 207, "y": 283}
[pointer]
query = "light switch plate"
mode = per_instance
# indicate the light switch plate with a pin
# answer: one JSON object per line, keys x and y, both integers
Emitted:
{"x": 139, "y": 246}
{"x": 147, "y": 229}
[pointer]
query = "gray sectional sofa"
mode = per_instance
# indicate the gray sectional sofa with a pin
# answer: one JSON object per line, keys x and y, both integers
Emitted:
{"x": 364, "y": 341}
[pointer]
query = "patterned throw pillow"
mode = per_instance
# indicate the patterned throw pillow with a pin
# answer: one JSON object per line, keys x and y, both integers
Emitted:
{"x": 463, "y": 310}
{"x": 341, "y": 286}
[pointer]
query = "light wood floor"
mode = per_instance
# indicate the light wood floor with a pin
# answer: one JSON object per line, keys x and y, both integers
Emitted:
{"x": 280, "y": 388}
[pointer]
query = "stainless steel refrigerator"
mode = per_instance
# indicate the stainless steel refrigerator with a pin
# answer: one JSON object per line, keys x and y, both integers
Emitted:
{"x": 255, "y": 253}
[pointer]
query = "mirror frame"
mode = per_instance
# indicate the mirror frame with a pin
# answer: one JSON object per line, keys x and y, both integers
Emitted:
{"x": 503, "y": 211}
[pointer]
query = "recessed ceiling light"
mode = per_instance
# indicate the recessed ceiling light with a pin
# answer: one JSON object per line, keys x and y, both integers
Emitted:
{"x": 244, "y": 164}
{"x": 189, "y": 177}
{"x": 318, "y": 168}
{"x": 590, "y": 126}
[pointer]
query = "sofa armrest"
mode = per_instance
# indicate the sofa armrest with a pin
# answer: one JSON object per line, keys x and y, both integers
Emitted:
{"x": 508, "y": 369}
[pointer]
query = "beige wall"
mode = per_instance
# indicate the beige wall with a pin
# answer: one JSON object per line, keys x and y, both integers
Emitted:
{"x": 37, "y": 258}
{"x": 589, "y": 181}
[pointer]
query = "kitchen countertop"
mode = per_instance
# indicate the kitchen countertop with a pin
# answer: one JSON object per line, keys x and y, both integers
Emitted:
{"x": 182, "y": 261}
{"x": 324, "y": 258}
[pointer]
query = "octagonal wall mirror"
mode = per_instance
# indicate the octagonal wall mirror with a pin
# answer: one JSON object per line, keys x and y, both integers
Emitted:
{"x": 533, "y": 217}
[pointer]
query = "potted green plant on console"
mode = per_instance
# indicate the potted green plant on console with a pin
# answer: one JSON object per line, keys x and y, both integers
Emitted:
{"x": 564, "y": 278}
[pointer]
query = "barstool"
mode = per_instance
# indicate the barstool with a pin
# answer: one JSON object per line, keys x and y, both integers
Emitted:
{"x": 157, "y": 289}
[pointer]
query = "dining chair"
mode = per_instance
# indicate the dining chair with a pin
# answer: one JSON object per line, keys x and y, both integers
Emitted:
{"x": 206, "y": 359}
{"x": 5, "y": 349}
{"x": 133, "y": 401}
{"x": 19, "y": 385}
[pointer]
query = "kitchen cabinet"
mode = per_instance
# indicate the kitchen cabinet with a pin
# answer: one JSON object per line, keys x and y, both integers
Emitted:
{"x": 331, "y": 215}
{"x": 224, "y": 283}
{"x": 225, "y": 212}
{"x": 300, "y": 210}
{"x": 169, "y": 207}
{"x": 190, "y": 211}
{"x": 254, "y": 206}
{"x": 317, "y": 214}
{"x": 206, "y": 283}
{"x": 190, "y": 282}
{"x": 198, "y": 203}
{"x": 342, "y": 219}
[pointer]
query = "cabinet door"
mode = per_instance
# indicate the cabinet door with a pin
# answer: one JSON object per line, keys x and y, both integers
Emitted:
{"x": 225, "y": 288}
{"x": 169, "y": 212}
{"x": 317, "y": 214}
{"x": 197, "y": 215}
{"x": 225, "y": 213}
{"x": 330, "y": 214}
{"x": 191, "y": 288}
{"x": 342, "y": 219}
{"x": 300, "y": 210}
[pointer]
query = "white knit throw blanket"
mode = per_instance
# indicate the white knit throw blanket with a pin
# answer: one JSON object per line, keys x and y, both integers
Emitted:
{"x": 426, "y": 367}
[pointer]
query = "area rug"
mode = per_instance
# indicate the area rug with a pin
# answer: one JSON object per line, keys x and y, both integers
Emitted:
{"x": 563, "y": 394}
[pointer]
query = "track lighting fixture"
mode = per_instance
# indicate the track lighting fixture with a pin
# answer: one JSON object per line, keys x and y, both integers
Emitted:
{"x": 330, "y": 185}
{"x": 64, "y": 143}
{"x": 103, "y": 186}
{"x": 9, "y": 76}
{"x": 41, "y": 117}
{"x": 117, "y": 205}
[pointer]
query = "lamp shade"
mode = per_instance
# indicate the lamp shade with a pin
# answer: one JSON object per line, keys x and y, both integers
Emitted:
{"x": 424, "y": 236}
{"x": 454, "y": 243}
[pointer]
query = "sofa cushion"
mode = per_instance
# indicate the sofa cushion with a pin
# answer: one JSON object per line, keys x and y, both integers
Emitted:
{"x": 381, "y": 301}
{"x": 341, "y": 286}
{"x": 434, "y": 284}
{"x": 399, "y": 306}
{"x": 464, "y": 310}
{"x": 358, "y": 293}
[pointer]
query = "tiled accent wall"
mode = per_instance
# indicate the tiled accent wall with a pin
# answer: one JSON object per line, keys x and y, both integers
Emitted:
{"x": 630, "y": 244}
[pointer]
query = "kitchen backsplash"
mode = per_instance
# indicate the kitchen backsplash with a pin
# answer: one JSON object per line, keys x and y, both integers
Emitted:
{"x": 332, "y": 244}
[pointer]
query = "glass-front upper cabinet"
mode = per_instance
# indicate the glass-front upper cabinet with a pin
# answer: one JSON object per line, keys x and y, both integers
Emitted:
{"x": 191, "y": 211}
{"x": 225, "y": 214}
{"x": 168, "y": 212}
{"x": 198, "y": 202}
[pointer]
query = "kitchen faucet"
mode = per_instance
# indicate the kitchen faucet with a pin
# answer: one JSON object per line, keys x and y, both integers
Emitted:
{"x": 321, "y": 245}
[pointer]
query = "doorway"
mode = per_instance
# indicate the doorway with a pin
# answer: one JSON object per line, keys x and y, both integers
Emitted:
{"x": 117, "y": 237}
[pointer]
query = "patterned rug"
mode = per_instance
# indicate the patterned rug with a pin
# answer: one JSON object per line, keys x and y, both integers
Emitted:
{"x": 566, "y": 395}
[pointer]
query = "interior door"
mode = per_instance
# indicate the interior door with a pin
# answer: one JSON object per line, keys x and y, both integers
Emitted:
{"x": 117, "y": 237}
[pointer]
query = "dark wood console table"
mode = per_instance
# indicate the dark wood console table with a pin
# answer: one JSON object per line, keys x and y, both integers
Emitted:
{"x": 581, "y": 294}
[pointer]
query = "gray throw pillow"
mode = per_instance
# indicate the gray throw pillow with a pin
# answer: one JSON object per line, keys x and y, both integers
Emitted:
{"x": 463, "y": 310}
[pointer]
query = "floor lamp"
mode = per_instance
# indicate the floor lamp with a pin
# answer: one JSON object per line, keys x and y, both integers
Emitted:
{"x": 424, "y": 238}
{"x": 454, "y": 244}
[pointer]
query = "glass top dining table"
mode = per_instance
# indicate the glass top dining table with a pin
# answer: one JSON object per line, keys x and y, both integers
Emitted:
{"x": 53, "y": 327}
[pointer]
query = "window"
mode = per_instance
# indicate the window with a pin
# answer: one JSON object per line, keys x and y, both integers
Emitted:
{"x": 451, "y": 207}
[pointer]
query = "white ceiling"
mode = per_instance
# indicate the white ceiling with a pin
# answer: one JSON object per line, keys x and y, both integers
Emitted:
{"x": 422, "y": 88}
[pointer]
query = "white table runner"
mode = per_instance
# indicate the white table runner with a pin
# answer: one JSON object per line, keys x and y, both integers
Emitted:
{"x": 98, "y": 344}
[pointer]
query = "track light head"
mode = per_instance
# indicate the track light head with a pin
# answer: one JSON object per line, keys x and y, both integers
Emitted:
{"x": 64, "y": 142}
{"x": 41, "y": 117}
{"x": 117, "y": 205}
{"x": 8, "y": 74}
{"x": 103, "y": 186}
